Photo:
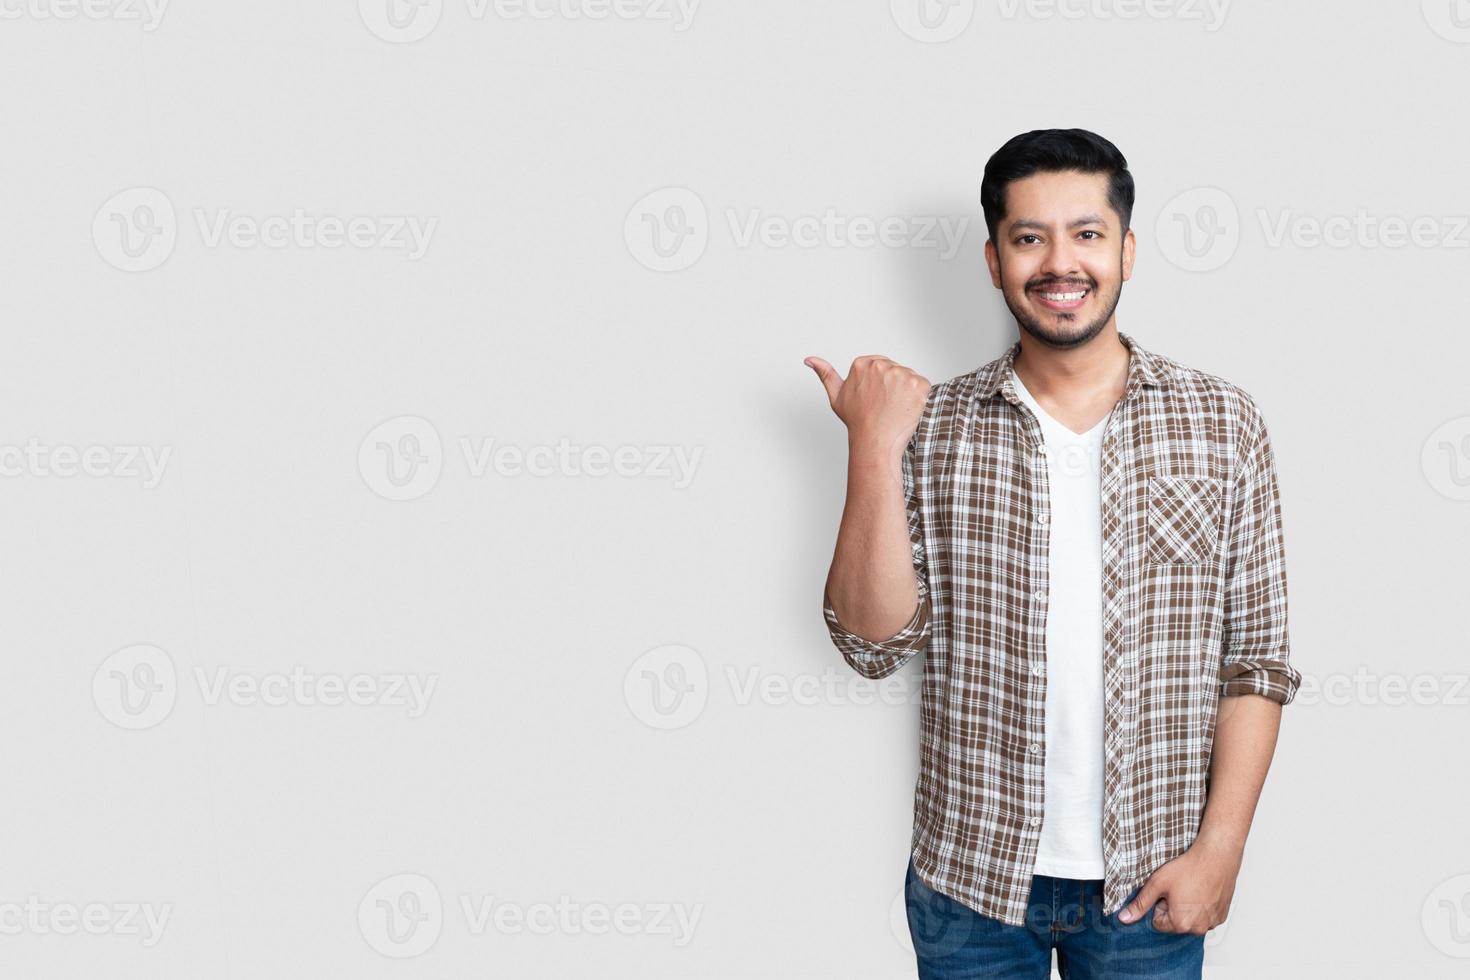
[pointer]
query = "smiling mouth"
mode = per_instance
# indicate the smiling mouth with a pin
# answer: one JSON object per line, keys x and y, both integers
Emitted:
{"x": 1061, "y": 298}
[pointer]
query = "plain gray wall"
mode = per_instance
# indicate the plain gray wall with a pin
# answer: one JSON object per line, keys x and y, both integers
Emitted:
{"x": 628, "y": 695}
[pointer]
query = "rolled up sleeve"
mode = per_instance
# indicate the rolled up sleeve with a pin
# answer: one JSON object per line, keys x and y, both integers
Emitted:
{"x": 878, "y": 658}
{"x": 1256, "y": 655}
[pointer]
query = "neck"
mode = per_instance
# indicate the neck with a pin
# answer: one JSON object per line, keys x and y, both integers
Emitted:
{"x": 1101, "y": 363}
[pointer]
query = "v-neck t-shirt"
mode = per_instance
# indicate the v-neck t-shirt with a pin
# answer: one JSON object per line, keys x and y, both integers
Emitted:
{"x": 1071, "y": 841}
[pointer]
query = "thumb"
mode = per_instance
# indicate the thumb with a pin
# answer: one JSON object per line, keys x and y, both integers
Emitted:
{"x": 831, "y": 380}
{"x": 1143, "y": 901}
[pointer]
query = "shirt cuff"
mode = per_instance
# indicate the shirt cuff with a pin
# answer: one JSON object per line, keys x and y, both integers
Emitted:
{"x": 1274, "y": 679}
{"x": 879, "y": 658}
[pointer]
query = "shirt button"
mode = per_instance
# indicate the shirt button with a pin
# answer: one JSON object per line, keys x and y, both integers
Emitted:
{"x": 1039, "y": 595}
{"x": 1036, "y": 821}
{"x": 1041, "y": 519}
{"x": 1035, "y": 748}
{"x": 1036, "y": 669}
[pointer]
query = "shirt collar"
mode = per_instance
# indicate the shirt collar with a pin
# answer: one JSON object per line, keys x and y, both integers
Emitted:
{"x": 1144, "y": 368}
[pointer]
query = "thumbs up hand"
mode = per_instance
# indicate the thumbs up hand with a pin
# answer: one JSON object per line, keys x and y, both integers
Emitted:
{"x": 880, "y": 402}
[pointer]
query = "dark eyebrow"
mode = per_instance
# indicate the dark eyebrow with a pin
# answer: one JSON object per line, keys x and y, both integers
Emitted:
{"x": 1086, "y": 219}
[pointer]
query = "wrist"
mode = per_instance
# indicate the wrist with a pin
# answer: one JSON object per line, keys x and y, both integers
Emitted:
{"x": 1222, "y": 842}
{"x": 870, "y": 453}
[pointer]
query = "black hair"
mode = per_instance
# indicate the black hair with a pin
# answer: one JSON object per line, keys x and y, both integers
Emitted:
{"x": 1052, "y": 151}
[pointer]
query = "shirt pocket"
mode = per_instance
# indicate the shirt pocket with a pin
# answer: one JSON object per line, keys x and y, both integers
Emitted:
{"x": 1183, "y": 519}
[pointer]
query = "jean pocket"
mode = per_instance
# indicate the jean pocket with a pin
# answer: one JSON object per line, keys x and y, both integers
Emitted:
{"x": 1183, "y": 519}
{"x": 1145, "y": 921}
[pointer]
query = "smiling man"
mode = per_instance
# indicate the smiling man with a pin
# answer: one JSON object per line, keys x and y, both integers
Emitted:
{"x": 1085, "y": 538}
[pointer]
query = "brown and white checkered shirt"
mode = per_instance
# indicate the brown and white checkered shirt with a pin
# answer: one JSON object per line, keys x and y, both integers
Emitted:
{"x": 1194, "y": 609}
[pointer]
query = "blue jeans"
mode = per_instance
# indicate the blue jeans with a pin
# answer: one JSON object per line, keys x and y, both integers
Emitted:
{"x": 954, "y": 942}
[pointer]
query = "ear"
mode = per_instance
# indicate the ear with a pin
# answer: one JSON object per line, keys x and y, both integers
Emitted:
{"x": 992, "y": 259}
{"x": 1130, "y": 243}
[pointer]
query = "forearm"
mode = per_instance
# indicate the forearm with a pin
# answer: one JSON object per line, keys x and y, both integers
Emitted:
{"x": 871, "y": 583}
{"x": 1245, "y": 740}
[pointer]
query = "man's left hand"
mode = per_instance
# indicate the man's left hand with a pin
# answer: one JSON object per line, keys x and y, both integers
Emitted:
{"x": 1193, "y": 891}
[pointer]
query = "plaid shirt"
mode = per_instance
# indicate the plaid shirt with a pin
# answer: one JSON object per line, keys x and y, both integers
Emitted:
{"x": 1194, "y": 609}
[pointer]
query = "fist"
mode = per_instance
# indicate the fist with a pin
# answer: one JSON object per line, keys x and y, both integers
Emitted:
{"x": 880, "y": 401}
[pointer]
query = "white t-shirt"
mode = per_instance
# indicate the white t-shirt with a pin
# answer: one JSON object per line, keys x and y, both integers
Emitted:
{"x": 1071, "y": 832}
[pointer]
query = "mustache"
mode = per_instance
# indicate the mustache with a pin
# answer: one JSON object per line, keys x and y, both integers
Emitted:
{"x": 1059, "y": 282}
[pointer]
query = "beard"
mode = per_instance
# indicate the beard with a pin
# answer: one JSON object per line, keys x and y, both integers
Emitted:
{"x": 1063, "y": 330}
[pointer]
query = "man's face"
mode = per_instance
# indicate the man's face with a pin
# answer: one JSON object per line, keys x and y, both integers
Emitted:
{"x": 1060, "y": 256}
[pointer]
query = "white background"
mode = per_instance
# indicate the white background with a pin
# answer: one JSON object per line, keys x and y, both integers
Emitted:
{"x": 546, "y": 766}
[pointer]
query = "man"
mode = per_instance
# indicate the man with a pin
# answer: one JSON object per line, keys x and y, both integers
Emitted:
{"x": 1085, "y": 538}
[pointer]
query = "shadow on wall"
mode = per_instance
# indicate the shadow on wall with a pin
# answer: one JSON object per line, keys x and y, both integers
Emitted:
{"x": 962, "y": 318}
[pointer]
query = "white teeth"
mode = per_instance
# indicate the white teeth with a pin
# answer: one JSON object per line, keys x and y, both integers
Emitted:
{"x": 1064, "y": 297}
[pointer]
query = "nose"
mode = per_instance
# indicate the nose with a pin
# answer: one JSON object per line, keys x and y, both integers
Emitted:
{"x": 1060, "y": 260}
